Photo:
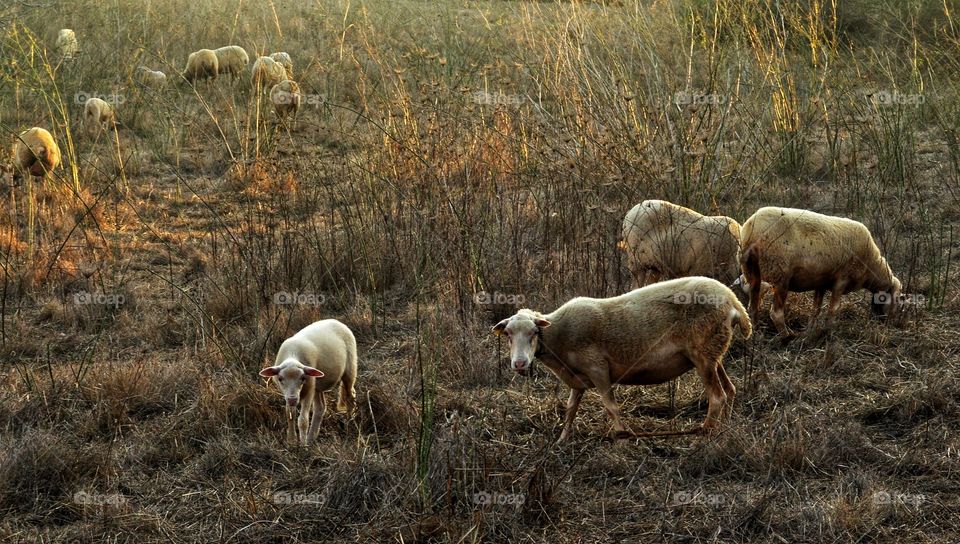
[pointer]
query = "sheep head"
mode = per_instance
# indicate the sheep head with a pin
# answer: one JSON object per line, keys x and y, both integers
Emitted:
{"x": 523, "y": 331}
{"x": 290, "y": 376}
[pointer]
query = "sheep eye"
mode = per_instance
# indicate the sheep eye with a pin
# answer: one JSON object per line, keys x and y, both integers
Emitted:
{"x": 280, "y": 379}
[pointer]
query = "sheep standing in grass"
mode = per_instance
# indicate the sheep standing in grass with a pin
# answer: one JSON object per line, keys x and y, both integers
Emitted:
{"x": 98, "y": 114}
{"x": 648, "y": 336}
{"x": 36, "y": 153}
{"x": 283, "y": 58}
{"x": 232, "y": 59}
{"x": 319, "y": 358}
{"x": 67, "y": 44}
{"x": 666, "y": 241}
{"x": 286, "y": 98}
{"x": 266, "y": 73}
{"x": 151, "y": 78}
{"x": 799, "y": 250}
{"x": 201, "y": 65}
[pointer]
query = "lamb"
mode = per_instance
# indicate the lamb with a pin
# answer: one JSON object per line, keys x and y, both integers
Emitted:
{"x": 232, "y": 59}
{"x": 648, "y": 336}
{"x": 267, "y": 72}
{"x": 151, "y": 78}
{"x": 36, "y": 153}
{"x": 286, "y": 98}
{"x": 666, "y": 241}
{"x": 799, "y": 250}
{"x": 201, "y": 64}
{"x": 67, "y": 44}
{"x": 320, "y": 357}
{"x": 284, "y": 59}
{"x": 97, "y": 114}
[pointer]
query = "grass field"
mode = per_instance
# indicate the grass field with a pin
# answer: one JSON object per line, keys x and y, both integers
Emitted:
{"x": 454, "y": 161}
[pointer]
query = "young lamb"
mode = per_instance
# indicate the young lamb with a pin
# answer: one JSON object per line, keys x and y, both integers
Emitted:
{"x": 284, "y": 59}
{"x": 232, "y": 59}
{"x": 266, "y": 73}
{"x": 97, "y": 115}
{"x": 799, "y": 250}
{"x": 322, "y": 356}
{"x": 648, "y": 336}
{"x": 36, "y": 153}
{"x": 67, "y": 44}
{"x": 151, "y": 78}
{"x": 201, "y": 64}
{"x": 286, "y": 98}
{"x": 666, "y": 241}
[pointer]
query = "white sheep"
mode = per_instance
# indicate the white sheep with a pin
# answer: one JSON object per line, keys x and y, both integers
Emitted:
{"x": 201, "y": 64}
{"x": 320, "y": 357}
{"x": 266, "y": 73}
{"x": 151, "y": 78}
{"x": 36, "y": 153}
{"x": 98, "y": 114}
{"x": 284, "y": 59}
{"x": 232, "y": 59}
{"x": 648, "y": 336}
{"x": 799, "y": 250}
{"x": 665, "y": 241}
{"x": 67, "y": 44}
{"x": 286, "y": 97}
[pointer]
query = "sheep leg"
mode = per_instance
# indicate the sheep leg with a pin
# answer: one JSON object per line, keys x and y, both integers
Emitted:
{"x": 319, "y": 408}
{"x": 780, "y": 294}
{"x": 836, "y": 295}
{"x": 716, "y": 397}
{"x": 728, "y": 389}
{"x": 573, "y": 403}
{"x": 304, "y": 419}
{"x": 291, "y": 425}
{"x": 817, "y": 303}
{"x": 756, "y": 296}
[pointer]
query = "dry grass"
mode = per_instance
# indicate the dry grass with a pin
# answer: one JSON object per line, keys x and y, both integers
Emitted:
{"x": 447, "y": 150}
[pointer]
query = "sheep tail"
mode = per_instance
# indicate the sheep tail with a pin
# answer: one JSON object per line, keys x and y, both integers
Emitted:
{"x": 743, "y": 317}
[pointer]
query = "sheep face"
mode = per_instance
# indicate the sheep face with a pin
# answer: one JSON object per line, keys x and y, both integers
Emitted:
{"x": 884, "y": 302}
{"x": 523, "y": 332}
{"x": 289, "y": 377}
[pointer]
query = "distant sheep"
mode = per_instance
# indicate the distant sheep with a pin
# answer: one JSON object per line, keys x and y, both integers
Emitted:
{"x": 36, "y": 153}
{"x": 665, "y": 241}
{"x": 232, "y": 59}
{"x": 284, "y": 59}
{"x": 286, "y": 98}
{"x": 266, "y": 73}
{"x": 799, "y": 250}
{"x": 151, "y": 78}
{"x": 98, "y": 114}
{"x": 319, "y": 358}
{"x": 201, "y": 65}
{"x": 67, "y": 44}
{"x": 648, "y": 336}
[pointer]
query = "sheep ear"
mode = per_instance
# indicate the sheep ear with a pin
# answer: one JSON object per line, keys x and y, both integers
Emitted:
{"x": 542, "y": 323}
{"x": 498, "y": 328}
{"x": 269, "y": 371}
{"x": 312, "y": 372}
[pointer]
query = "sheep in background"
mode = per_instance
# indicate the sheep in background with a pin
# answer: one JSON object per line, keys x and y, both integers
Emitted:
{"x": 319, "y": 358}
{"x": 266, "y": 73}
{"x": 799, "y": 250}
{"x": 286, "y": 98}
{"x": 232, "y": 59}
{"x": 150, "y": 78}
{"x": 97, "y": 115}
{"x": 283, "y": 58}
{"x": 201, "y": 64}
{"x": 648, "y": 336}
{"x": 36, "y": 153}
{"x": 67, "y": 44}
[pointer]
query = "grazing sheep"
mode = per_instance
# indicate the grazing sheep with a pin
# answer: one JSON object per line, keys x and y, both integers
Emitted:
{"x": 266, "y": 73}
{"x": 648, "y": 336}
{"x": 320, "y": 357}
{"x": 201, "y": 64}
{"x": 799, "y": 250}
{"x": 151, "y": 78}
{"x": 67, "y": 44}
{"x": 286, "y": 97}
{"x": 97, "y": 115}
{"x": 232, "y": 59}
{"x": 666, "y": 241}
{"x": 284, "y": 59}
{"x": 36, "y": 153}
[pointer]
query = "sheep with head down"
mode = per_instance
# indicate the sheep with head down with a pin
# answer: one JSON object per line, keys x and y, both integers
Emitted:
{"x": 266, "y": 73}
{"x": 286, "y": 97}
{"x": 284, "y": 59}
{"x": 98, "y": 115}
{"x": 232, "y": 59}
{"x": 67, "y": 44}
{"x": 201, "y": 64}
{"x": 35, "y": 153}
{"x": 150, "y": 78}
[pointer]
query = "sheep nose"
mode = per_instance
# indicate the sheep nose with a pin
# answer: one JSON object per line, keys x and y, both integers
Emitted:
{"x": 291, "y": 402}
{"x": 520, "y": 364}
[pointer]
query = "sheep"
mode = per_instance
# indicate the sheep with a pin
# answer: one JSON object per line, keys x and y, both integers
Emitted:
{"x": 267, "y": 72}
{"x": 284, "y": 59}
{"x": 232, "y": 59}
{"x": 320, "y": 357}
{"x": 286, "y": 98}
{"x": 666, "y": 241}
{"x": 67, "y": 44}
{"x": 648, "y": 336}
{"x": 97, "y": 114}
{"x": 151, "y": 78}
{"x": 201, "y": 64}
{"x": 36, "y": 153}
{"x": 800, "y": 250}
